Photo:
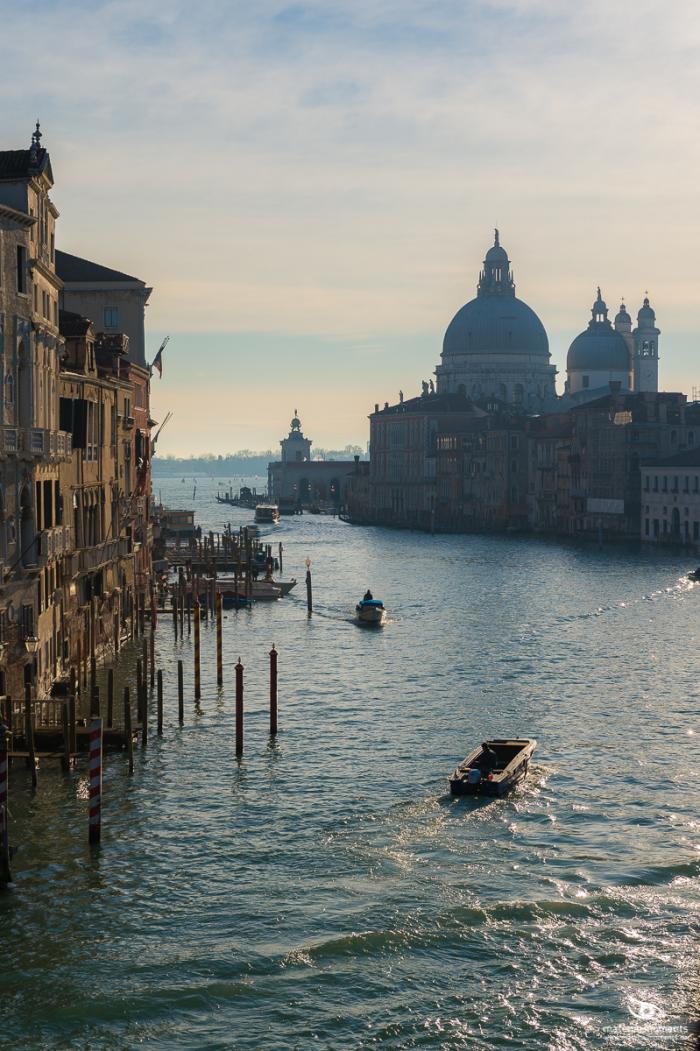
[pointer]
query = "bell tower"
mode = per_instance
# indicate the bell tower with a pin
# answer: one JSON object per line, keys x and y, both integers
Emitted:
{"x": 646, "y": 350}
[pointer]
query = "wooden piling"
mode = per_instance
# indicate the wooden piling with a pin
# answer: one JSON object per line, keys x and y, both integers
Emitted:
{"x": 175, "y": 607}
{"x": 180, "y": 694}
{"x": 239, "y": 708}
{"x": 197, "y": 678}
{"x": 142, "y": 613}
{"x": 219, "y": 641}
{"x": 160, "y": 701}
{"x": 93, "y": 673}
{"x": 110, "y": 698}
{"x": 71, "y": 711}
{"x": 95, "y": 814}
{"x": 5, "y": 871}
{"x": 309, "y": 593}
{"x": 273, "y": 690}
{"x": 154, "y": 613}
{"x": 95, "y": 701}
{"x": 280, "y": 557}
{"x": 144, "y": 659}
{"x": 152, "y": 656}
{"x": 65, "y": 726}
{"x": 181, "y": 606}
{"x": 128, "y": 732}
{"x": 139, "y": 691}
{"x": 189, "y": 612}
{"x": 29, "y": 732}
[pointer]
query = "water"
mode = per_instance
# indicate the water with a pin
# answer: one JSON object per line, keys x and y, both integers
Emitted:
{"x": 326, "y": 891}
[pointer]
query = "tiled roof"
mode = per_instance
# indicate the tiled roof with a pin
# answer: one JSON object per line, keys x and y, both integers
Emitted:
{"x": 71, "y": 268}
{"x": 17, "y": 164}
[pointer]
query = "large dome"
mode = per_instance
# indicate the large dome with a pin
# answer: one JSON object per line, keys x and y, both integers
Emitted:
{"x": 496, "y": 324}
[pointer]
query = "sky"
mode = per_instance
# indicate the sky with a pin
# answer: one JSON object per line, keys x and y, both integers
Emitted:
{"x": 310, "y": 187}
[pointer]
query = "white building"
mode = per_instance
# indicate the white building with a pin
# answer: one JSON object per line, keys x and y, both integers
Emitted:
{"x": 671, "y": 499}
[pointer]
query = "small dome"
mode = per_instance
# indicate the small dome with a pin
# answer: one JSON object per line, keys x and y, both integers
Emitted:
{"x": 598, "y": 351}
{"x": 622, "y": 317}
{"x": 497, "y": 255}
{"x": 646, "y": 312}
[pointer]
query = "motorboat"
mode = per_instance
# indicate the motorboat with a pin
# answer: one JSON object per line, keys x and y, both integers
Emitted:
{"x": 267, "y": 514}
{"x": 694, "y": 574}
{"x": 494, "y": 768}
{"x": 370, "y": 612}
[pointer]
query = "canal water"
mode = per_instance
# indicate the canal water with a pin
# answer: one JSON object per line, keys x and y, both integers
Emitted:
{"x": 326, "y": 891}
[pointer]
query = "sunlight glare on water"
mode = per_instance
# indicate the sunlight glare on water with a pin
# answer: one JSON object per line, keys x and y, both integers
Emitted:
{"x": 327, "y": 891}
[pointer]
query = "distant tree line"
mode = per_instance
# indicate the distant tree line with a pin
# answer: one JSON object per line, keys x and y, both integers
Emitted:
{"x": 244, "y": 462}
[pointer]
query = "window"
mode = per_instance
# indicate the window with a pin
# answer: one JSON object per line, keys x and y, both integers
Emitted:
{"x": 696, "y": 530}
{"x": 665, "y": 484}
{"x": 111, "y": 317}
{"x": 646, "y": 483}
{"x": 585, "y": 380}
{"x": 22, "y": 270}
{"x": 646, "y": 527}
{"x": 691, "y": 438}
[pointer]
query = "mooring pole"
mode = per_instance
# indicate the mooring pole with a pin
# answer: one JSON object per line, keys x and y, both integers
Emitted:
{"x": 139, "y": 691}
{"x": 95, "y": 700}
{"x": 128, "y": 732}
{"x": 280, "y": 557}
{"x": 65, "y": 725}
{"x": 154, "y": 614}
{"x": 71, "y": 712}
{"x": 29, "y": 732}
{"x": 95, "y": 820}
{"x": 110, "y": 698}
{"x": 273, "y": 690}
{"x": 309, "y": 593}
{"x": 180, "y": 694}
{"x": 219, "y": 641}
{"x": 5, "y": 873}
{"x": 160, "y": 701}
{"x": 239, "y": 708}
{"x": 152, "y": 644}
{"x": 175, "y": 608}
{"x": 144, "y": 658}
{"x": 197, "y": 677}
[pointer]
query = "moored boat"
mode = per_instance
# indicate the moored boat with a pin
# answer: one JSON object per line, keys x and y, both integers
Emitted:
{"x": 370, "y": 612}
{"x": 494, "y": 768}
{"x": 694, "y": 574}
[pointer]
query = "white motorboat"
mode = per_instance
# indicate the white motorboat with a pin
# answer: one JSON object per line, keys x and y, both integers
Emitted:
{"x": 370, "y": 612}
{"x": 268, "y": 514}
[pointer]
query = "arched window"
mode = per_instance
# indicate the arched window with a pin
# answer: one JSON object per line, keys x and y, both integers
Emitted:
{"x": 10, "y": 390}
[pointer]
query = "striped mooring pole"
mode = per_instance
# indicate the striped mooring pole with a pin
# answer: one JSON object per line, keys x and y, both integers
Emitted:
{"x": 5, "y": 873}
{"x": 95, "y": 781}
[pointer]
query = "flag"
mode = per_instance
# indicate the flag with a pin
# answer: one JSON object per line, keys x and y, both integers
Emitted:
{"x": 158, "y": 363}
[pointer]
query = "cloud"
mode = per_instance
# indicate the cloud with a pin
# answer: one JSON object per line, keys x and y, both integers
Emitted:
{"x": 335, "y": 168}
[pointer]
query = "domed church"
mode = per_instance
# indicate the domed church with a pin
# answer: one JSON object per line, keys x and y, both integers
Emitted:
{"x": 603, "y": 354}
{"x": 496, "y": 346}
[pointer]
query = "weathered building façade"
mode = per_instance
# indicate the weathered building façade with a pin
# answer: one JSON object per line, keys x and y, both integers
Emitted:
{"x": 74, "y": 451}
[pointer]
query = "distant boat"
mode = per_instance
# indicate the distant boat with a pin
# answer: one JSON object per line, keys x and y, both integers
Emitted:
{"x": 267, "y": 513}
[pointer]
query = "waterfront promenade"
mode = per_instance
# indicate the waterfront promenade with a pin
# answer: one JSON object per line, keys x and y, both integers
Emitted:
{"x": 327, "y": 892}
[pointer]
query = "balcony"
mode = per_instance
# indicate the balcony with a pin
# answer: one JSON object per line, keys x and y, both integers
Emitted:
{"x": 52, "y": 543}
{"x": 89, "y": 559}
{"x": 40, "y": 443}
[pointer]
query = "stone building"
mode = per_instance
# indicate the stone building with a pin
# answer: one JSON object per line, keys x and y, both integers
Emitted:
{"x": 670, "y": 499}
{"x": 34, "y": 532}
{"x": 296, "y": 481}
{"x": 74, "y": 452}
{"x": 114, "y": 302}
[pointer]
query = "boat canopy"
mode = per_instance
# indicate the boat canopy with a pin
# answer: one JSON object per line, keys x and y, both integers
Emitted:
{"x": 371, "y": 602}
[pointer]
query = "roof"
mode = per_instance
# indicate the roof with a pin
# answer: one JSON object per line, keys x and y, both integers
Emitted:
{"x": 73, "y": 269}
{"x": 18, "y": 164}
{"x": 689, "y": 458}
{"x": 431, "y": 403}
{"x": 496, "y": 324}
{"x": 599, "y": 349}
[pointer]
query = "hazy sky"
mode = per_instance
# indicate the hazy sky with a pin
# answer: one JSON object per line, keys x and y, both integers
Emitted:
{"x": 310, "y": 187}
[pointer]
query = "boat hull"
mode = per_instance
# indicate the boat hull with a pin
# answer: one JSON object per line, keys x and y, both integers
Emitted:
{"x": 371, "y": 617}
{"x": 514, "y": 756}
